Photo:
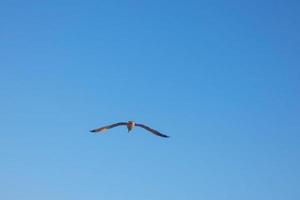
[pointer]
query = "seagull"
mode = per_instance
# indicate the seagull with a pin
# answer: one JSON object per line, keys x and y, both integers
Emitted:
{"x": 130, "y": 125}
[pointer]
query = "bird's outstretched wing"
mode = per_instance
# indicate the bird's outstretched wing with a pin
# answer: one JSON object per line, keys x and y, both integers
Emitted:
{"x": 104, "y": 128}
{"x": 152, "y": 130}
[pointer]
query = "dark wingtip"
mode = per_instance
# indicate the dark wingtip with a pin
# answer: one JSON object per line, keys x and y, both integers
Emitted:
{"x": 92, "y": 131}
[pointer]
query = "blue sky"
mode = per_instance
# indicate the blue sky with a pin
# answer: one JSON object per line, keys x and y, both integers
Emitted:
{"x": 220, "y": 77}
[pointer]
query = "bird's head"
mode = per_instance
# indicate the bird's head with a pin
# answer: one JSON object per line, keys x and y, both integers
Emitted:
{"x": 131, "y": 123}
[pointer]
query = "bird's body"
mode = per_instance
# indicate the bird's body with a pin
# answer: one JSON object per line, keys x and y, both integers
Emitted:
{"x": 130, "y": 125}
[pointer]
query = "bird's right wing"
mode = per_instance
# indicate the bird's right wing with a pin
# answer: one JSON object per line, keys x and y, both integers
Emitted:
{"x": 152, "y": 130}
{"x": 104, "y": 128}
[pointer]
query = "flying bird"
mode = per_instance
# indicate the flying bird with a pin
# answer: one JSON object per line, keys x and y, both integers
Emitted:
{"x": 130, "y": 125}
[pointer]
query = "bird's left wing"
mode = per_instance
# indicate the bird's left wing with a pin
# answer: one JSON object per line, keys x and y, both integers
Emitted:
{"x": 104, "y": 128}
{"x": 152, "y": 130}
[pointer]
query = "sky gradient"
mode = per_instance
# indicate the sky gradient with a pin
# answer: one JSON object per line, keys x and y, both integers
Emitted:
{"x": 220, "y": 77}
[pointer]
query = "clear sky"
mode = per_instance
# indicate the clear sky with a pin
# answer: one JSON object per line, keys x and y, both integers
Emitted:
{"x": 220, "y": 77}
